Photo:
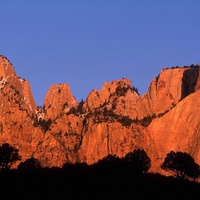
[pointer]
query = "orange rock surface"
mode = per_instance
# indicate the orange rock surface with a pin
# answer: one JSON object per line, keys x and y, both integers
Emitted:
{"x": 113, "y": 120}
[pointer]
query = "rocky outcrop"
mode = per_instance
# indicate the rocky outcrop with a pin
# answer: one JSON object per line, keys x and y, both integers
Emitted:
{"x": 108, "y": 93}
{"x": 58, "y": 100}
{"x": 17, "y": 111}
{"x": 6, "y": 68}
{"x": 171, "y": 86}
{"x": 119, "y": 97}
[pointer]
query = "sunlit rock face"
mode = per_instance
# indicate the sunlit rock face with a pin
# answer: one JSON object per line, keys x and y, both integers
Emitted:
{"x": 171, "y": 86}
{"x": 61, "y": 142}
{"x": 17, "y": 111}
{"x": 112, "y": 120}
{"x": 6, "y": 69}
{"x": 109, "y": 93}
{"x": 178, "y": 130}
{"x": 99, "y": 129}
{"x": 120, "y": 97}
{"x": 20, "y": 86}
{"x": 58, "y": 100}
{"x": 113, "y": 138}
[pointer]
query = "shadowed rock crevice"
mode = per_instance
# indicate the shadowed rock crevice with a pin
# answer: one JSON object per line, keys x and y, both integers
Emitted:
{"x": 198, "y": 80}
{"x": 189, "y": 81}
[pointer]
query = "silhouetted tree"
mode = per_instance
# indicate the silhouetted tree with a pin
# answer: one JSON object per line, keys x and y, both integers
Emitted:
{"x": 110, "y": 164}
{"x": 8, "y": 156}
{"x": 75, "y": 168}
{"x": 138, "y": 160}
{"x": 181, "y": 164}
{"x": 193, "y": 171}
{"x": 30, "y": 164}
{"x": 109, "y": 159}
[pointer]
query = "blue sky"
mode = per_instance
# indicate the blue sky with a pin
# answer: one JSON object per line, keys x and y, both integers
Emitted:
{"x": 88, "y": 42}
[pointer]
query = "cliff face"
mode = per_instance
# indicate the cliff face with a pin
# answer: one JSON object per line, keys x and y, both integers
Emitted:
{"x": 6, "y": 68}
{"x": 171, "y": 86}
{"x": 113, "y": 138}
{"x": 178, "y": 130}
{"x": 58, "y": 100}
{"x": 17, "y": 111}
{"x": 61, "y": 142}
{"x": 118, "y": 97}
{"x": 113, "y": 120}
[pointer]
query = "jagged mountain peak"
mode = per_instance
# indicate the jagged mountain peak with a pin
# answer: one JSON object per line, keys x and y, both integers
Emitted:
{"x": 19, "y": 86}
{"x": 124, "y": 82}
{"x": 58, "y": 100}
{"x": 6, "y": 67}
{"x": 110, "y": 92}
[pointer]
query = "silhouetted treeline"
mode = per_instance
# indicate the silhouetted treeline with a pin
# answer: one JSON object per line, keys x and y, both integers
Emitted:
{"x": 89, "y": 182}
{"x": 109, "y": 178}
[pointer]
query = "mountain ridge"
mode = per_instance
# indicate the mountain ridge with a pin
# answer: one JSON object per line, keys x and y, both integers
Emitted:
{"x": 112, "y": 120}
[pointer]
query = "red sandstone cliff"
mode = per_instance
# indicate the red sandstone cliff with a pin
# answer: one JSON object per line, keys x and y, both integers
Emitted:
{"x": 178, "y": 130}
{"x": 58, "y": 100}
{"x": 17, "y": 111}
{"x": 113, "y": 120}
